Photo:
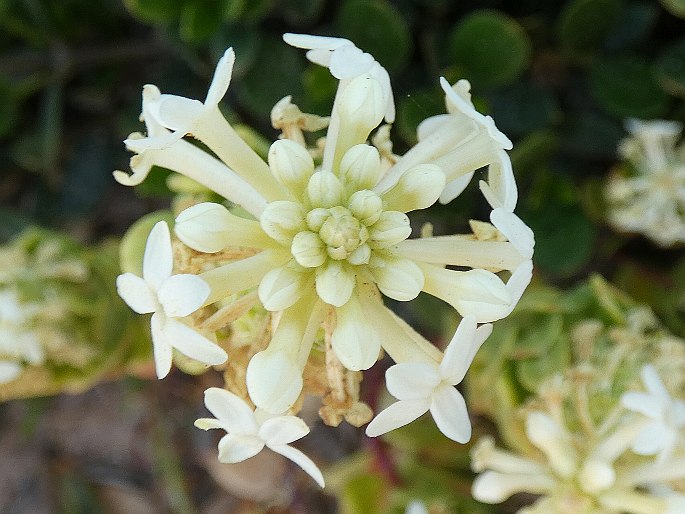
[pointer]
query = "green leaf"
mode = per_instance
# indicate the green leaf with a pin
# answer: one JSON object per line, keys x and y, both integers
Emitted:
{"x": 416, "y": 107}
{"x": 523, "y": 108}
{"x": 155, "y": 11}
{"x": 675, "y": 7}
{"x": 634, "y": 23}
{"x": 564, "y": 238}
{"x": 491, "y": 48}
{"x": 377, "y": 28}
{"x": 132, "y": 245}
{"x": 277, "y": 73}
{"x": 363, "y": 494}
{"x": 200, "y": 20}
{"x": 88, "y": 174}
{"x": 625, "y": 87}
{"x": 301, "y": 12}
{"x": 670, "y": 69}
{"x": 320, "y": 87}
{"x": 583, "y": 24}
{"x": 591, "y": 135}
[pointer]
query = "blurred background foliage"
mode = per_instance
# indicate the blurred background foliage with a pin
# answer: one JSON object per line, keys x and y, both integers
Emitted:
{"x": 559, "y": 78}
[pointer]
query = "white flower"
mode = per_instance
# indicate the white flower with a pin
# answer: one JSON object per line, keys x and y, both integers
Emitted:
{"x": 249, "y": 432}
{"x": 18, "y": 340}
{"x": 345, "y": 61}
{"x": 331, "y": 237}
{"x": 459, "y": 143}
{"x": 421, "y": 387}
{"x": 168, "y": 297}
{"x": 650, "y": 198}
{"x": 575, "y": 472}
{"x": 416, "y": 507}
{"x": 666, "y": 414}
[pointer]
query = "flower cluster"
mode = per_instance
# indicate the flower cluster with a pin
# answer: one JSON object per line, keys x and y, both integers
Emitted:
{"x": 312, "y": 239}
{"x": 648, "y": 196}
{"x": 54, "y": 297}
{"x": 602, "y": 437}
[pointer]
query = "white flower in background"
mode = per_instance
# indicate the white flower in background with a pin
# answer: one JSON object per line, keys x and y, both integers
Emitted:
{"x": 666, "y": 414}
{"x": 424, "y": 386}
{"x": 19, "y": 343}
{"x": 330, "y": 237}
{"x": 650, "y": 197}
{"x": 416, "y": 507}
{"x": 576, "y": 472}
{"x": 168, "y": 297}
{"x": 248, "y": 432}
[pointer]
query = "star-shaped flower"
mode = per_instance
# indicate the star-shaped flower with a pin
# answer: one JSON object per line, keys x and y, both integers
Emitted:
{"x": 168, "y": 297}
{"x": 666, "y": 414}
{"x": 248, "y": 431}
{"x": 424, "y": 386}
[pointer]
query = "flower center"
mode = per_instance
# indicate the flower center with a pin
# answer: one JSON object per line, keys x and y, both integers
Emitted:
{"x": 342, "y": 233}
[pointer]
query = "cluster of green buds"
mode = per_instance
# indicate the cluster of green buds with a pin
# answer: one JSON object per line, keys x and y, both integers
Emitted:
{"x": 307, "y": 244}
{"x": 598, "y": 428}
{"x": 57, "y": 307}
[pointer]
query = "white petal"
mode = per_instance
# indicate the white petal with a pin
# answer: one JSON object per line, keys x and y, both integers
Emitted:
{"x": 158, "y": 260}
{"x": 181, "y": 295}
{"x": 301, "y": 460}
{"x": 232, "y": 411}
{"x": 462, "y": 349}
{"x": 335, "y": 283}
{"x": 193, "y": 344}
{"x": 355, "y": 341}
{"x": 208, "y": 424}
{"x": 515, "y": 230}
{"x": 160, "y": 346}
{"x": 397, "y": 277}
{"x": 494, "y": 487}
{"x": 500, "y": 189}
{"x": 348, "y": 61}
{"x": 237, "y": 448}
{"x": 412, "y": 380}
{"x": 448, "y": 409}
{"x": 470, "y": 292}
{"x": 455, "y": 187}
{"x": 9, "y": 371}
{"x": 221, "y": 79}
{"x": 282, "y": 287}
{"x": 136, "y": 293}
{"x": 642, "y": 403}
{"x": 431, "y": 126}
{"x": 654, "y": 438}
{"x": 274, "y": 381}
{"x": 314, "y": 42}
{"x": 654, "y": 384}
{"x": 395, "y": 416}
{"x": 282, "y": 430}
{"x": 178, "y": 113}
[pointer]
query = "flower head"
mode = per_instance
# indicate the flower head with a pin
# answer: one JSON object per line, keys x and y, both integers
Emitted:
{"x": 648, "y": 195}
{"x": 327, "y": 235}
{"x": 168, "y": 297}
{"x": 666, "y": 414}
{"x": 248, "y": 432}
{"x": 424, "y": 386}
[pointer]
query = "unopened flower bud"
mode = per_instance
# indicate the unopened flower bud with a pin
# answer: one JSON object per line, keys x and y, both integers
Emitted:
{"x": 391, "y": 228}
{"x": 325, "y": 189}
{"x": 366, "y": 206}
{"x": 417, "y": 188}
{"x": 281, "y": 220}
{"x": 360, "y": 167}
{"x": 291, "y": 164}
{"x": 308, "y": 249}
